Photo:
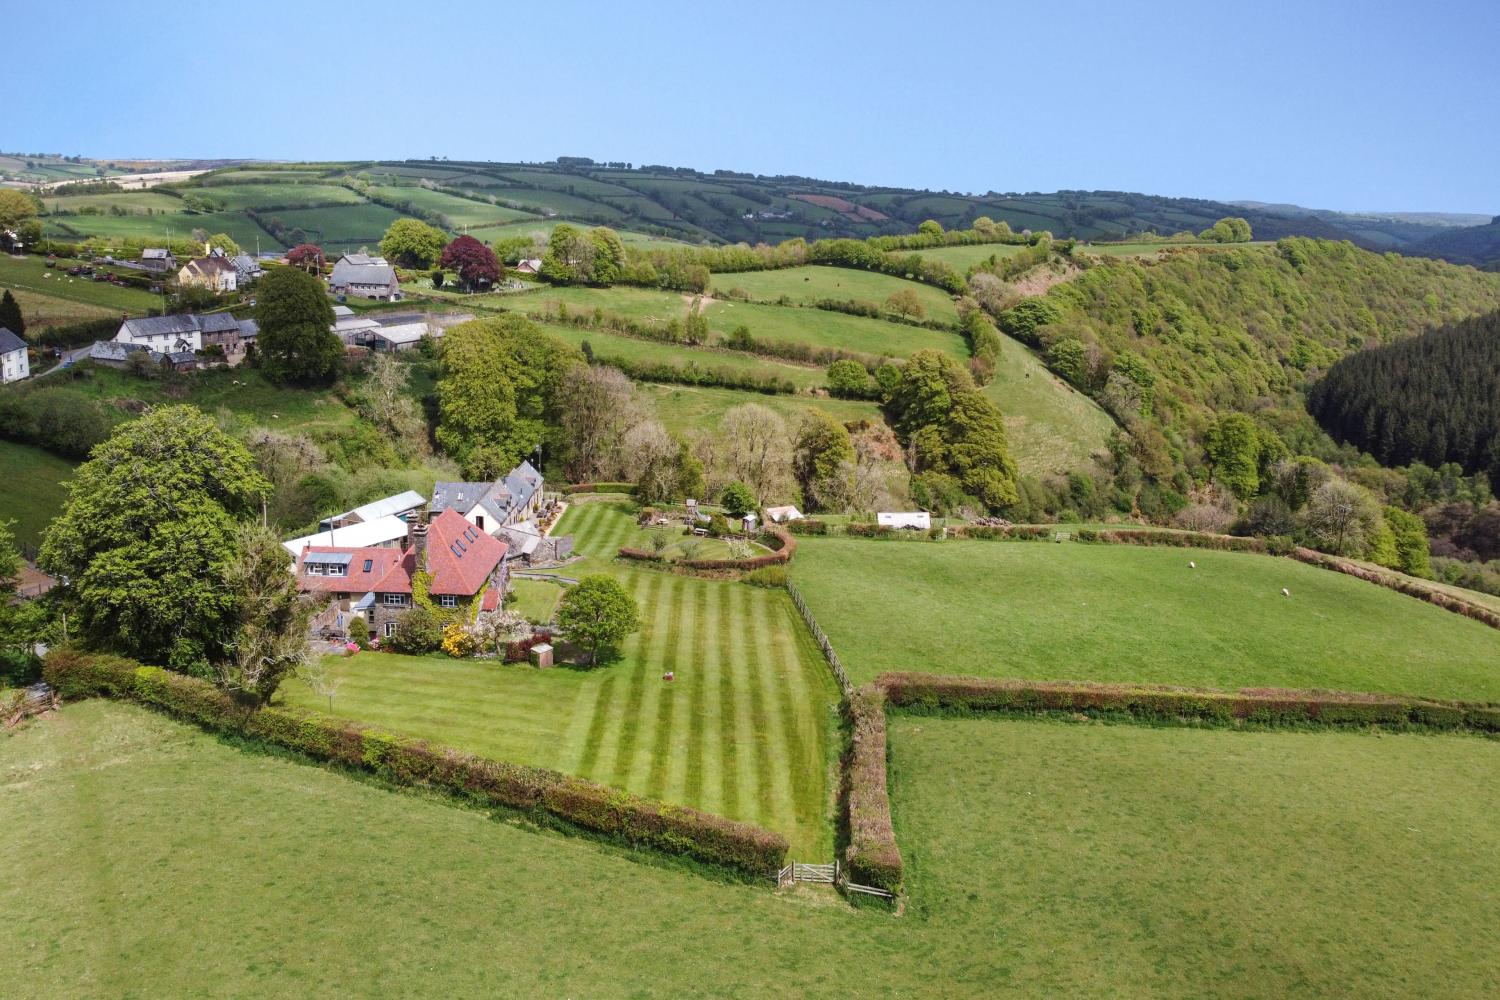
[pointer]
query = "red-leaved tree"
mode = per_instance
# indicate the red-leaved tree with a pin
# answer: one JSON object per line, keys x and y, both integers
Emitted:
{"x": 475, "y": 263}
{"x": 306, "y": 256}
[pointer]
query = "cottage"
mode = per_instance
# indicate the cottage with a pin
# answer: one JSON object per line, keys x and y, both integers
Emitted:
{"x": 464, "y": 566}
{"x": 158, "y": 259}
{"x": 246, "y": 268}
{"x": 490, "y": 506}
{"x": 214, "y": 272}
{"x": 164, "y": 334}
{"x": 233, "y": 336}
{"x": 13, "y": 363}
{"x": 530, "y": 265}
{"x": 365, "y": 277}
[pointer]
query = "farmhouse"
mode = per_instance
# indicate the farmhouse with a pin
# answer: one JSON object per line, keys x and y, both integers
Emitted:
{"x": 214, "y": 272}
{"x": 515, "y": 497}
{"x": 382, "y": 532}
{"x": 232, "y": 335}
{"x": 461, "y": 562}
{"x": 364, "y": 276}
{"x": 13, "y": 363}
{"x": 187, "y": 332}
{"x": 158, "y": 259}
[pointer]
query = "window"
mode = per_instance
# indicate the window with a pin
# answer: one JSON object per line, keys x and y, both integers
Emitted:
{"x": 390, "y": 629}
{"x": 338, "y": 570}
{"x": 314, "y": 569}
{"x": 479, "y": 521}
{"x": 368, "y": 564}
{"x": 393, "y": 600}
{"x": 448, "y": 601}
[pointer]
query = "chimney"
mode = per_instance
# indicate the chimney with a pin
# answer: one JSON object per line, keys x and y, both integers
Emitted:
{"x": 416, "y": 538}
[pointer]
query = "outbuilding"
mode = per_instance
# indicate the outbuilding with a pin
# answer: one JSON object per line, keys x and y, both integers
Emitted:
{"x": 915, "y": 520}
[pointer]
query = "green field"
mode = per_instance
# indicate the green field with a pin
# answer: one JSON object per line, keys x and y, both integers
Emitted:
{"x": 609, "y": 345}
{"x": 683, "y": 408}
{"x": 266, "y": 197}
{"x": 1164, "y": 863}
{"x": 745, "y": 730}
{"x": 961, "y": 258}
{"x": 340, "y": 227}
{"x": 772, "y": 323}
{"x": 535, "y": 600}
{"x": 31, "y": 274}
{"x": 803, "y": 285}
{"x": 132, "y": 201}
{"x": 460, "y": 212}
{"x": 1052, "y": 426}
{"x": 31, "y": 489}
{"x": 238, "y": 226}
{"x": 1130, "y": 861}
{"x": 1126, "y": 613}
{"x": 241, "y": 393}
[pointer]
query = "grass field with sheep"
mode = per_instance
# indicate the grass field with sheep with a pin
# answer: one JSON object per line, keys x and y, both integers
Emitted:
{"x": 1075, "y": 611}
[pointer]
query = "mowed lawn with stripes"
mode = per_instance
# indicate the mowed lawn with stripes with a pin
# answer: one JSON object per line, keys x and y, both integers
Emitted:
{"x": 744, "y": 730}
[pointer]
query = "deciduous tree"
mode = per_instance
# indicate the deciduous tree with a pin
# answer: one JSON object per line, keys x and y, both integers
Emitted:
{"x": 597, "y": 613}
{"x": 148, "y": 534}
{"x": 271, "y": 618}
{"x": 476, "y": 264}
{"x": 297, "y": 342}
{"x": 413, "y": 243}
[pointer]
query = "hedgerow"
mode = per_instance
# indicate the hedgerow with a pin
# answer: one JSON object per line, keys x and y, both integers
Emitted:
{"x": 1151, "y": 702}
{"x": 546, "y": 795}
{"x": 872, "y": 855}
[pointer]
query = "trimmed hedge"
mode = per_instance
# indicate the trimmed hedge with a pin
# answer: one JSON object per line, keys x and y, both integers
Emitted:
{"x": 546, "y": 795}
{"x": 872, "y": 855}
{"x": 1183, "y": 540}
{"x": 1262, "y": 706}
{"x": 774, "y": 537}
{"x": 598, "y": 488}
{"x": 1400, "y": 584}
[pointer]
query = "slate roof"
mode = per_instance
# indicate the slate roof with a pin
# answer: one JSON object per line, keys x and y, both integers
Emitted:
{"x": 155, "y": 326}
{"x": 462, "y": 497}
{"x": 359, "y": 269}
{"x": 114, "y": 350}
{"x": 156, "y": 253}
{"x": 205, "y": 265}
{"x": 497, "y": 499}
{"x": 10, "y": 342}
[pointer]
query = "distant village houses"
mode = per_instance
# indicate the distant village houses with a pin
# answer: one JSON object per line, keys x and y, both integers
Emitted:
{"x": 158, "y": 259}
{"x": 214, "y": 272}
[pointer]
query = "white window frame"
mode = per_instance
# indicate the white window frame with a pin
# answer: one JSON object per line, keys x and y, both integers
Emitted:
{"x": 393, "y": 600}
{"x": 390, "y": 629}
{"x": 447, "y": 601}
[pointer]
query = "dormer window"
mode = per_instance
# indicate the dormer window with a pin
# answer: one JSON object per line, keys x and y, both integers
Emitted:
{"x": 368, "y": 564}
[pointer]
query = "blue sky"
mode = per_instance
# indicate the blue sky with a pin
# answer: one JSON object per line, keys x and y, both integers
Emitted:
{"x": 1337, "y": 105}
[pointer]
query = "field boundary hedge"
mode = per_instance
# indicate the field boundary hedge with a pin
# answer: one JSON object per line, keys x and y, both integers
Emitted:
{"x": 1401, "y": 584}
{"x": 774, "y": 537}
{"x": 544, "y": 795}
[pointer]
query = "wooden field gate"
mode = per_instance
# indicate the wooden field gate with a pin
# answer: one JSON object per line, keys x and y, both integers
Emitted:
{"x": 830, "y": 874}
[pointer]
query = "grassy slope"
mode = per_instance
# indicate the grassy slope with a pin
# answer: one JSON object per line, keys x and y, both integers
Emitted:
{"x": 608, "y": 345}
{"x": 31, "y": 491}
{"x": 239, "y": 226}
{"x": 1124, "y": 613}
{"x": 1052, "y": 427}
{"x": 808, "y": 326}
{"x": 175, "y": 862}
{"x": 808, "y": 284}
{"x": 459, "y": 211}
{"x": 745, "y": 730}
{"x": 683, "y": 408}
{"x": 961, "y": 258}
{"x": 1165, "y": 862}
{"x": 31, "y": 274}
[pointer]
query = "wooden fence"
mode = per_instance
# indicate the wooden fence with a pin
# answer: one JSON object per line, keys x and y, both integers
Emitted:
{"x": 822, "y": 639}
{"x": 830, "y": 874}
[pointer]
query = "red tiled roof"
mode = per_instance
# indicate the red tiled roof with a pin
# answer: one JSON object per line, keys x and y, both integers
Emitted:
{"x": 460, "y": 557}
{"x": 385, "y": 567}
{"x": 491, "y": 599}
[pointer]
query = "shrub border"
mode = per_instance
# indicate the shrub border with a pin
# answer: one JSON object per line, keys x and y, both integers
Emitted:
{"x": 547, "y": 796}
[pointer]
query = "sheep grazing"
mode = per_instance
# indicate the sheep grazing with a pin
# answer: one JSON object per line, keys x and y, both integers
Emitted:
{"x": 1285, "y": 592}
{"x": 669, "y": 676}
{"x": 1192, "y": 564}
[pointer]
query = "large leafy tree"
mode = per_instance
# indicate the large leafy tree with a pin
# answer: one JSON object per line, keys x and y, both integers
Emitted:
{"x": 148, "y": 534}
{"x": 307, "y": 256}
{"x": 475, "y": 263}
{"x": 413, "y": 243}
{"x": 498, "y": 397}
{"x": 1233, "y": 446}
{"x": 16, "y": 206}
{"x": 297, "y": 342}
{"x": 597, "y": 613}
{"x": 223, "y": 241}
{"x": 821, "y": 459}
{"x": 952, "y": 428}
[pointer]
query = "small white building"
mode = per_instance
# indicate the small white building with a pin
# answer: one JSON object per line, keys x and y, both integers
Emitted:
{"x": 917, "y": 520}
{"x": 13, "y": 363}
{"x": 531, "y": 265}
{"x": 781, "y": 515}
{"x": 399, "y": 504}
